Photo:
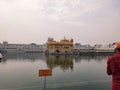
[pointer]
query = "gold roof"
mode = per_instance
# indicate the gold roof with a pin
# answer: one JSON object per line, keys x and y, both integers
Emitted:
{"x": 64, "y": 40}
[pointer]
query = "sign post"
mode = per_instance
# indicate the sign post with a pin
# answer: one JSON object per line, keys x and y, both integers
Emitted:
{"x": 45, "y": 72}
{"x": 45, "y": 83}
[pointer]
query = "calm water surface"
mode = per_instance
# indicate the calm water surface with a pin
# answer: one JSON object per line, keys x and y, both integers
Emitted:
{"x": 19, "y": 71}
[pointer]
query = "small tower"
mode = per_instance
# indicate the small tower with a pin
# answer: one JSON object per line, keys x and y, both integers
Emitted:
{"x": 71, "y": 40}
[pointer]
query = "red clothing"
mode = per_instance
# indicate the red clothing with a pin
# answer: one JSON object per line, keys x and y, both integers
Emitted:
{"x": 112, "y": 70}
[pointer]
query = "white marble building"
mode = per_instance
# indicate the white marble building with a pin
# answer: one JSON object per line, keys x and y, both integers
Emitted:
{"x": 22, "y": 47}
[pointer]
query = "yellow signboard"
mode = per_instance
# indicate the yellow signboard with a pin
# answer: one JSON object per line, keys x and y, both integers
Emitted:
{"x": 45, "y": 72}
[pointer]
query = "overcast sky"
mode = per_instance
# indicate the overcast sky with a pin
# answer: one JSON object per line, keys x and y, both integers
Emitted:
{"x": 86, "y": 21}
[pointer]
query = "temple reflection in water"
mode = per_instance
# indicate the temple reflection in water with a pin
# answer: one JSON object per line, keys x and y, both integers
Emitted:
{"x": 63, "y": 61}
{"x": 69, "y": 72}
{"x": 66, "y": 62}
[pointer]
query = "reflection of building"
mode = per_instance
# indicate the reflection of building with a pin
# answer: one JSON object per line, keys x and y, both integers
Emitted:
{"x": 65, "y": 46}
{"x": 31, "y": 57}
{"x": 62, "y": 61}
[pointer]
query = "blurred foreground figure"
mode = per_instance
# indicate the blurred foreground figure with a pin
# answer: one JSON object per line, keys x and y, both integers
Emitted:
{"x": 113, "y": 67}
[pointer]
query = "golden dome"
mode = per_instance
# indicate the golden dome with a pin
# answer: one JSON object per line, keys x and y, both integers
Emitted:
{"x": 64, "y": 40}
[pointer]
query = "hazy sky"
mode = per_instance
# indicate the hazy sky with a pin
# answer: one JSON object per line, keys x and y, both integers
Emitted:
{"x": 86, "y": 21}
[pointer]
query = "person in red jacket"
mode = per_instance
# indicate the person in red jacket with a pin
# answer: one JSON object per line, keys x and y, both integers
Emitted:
{"x": 113, "y": 68}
